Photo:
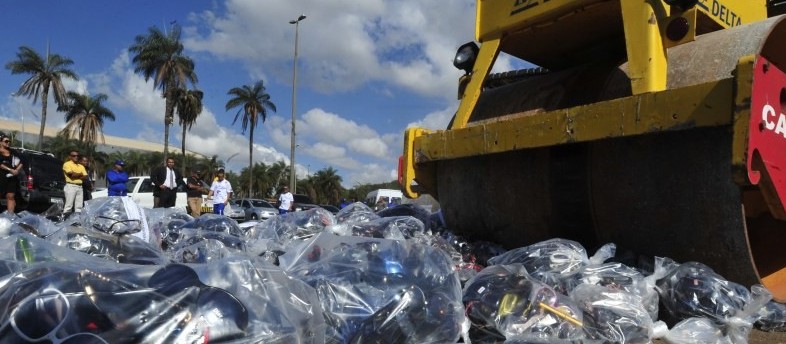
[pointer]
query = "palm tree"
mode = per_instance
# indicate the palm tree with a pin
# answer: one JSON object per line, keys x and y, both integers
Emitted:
{"x": 159, "y": 55}
{"x": 43, "y": 74}
{"x": 253, "y": 102}
{"x": 328, "y": 184}
{"x": 59, "y": 146}
{"x": 189, "y": 106}
{"x": 85, "y": 116}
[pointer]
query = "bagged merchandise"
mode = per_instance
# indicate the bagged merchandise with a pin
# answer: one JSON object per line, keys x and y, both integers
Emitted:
{"x": 694, "y": 290}
{"x": 549, "y": 261}
{"x": 369, "y": 287}
{"x": 101, "y": 276}
{"x": 615, "y": 315}
{"x": 506, "y": 299}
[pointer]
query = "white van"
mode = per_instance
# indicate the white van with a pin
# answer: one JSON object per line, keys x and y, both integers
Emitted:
{"x": 391, "y": 197}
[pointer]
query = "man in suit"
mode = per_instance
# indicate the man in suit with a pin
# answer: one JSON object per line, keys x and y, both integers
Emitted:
{"x": 166, "y": 180}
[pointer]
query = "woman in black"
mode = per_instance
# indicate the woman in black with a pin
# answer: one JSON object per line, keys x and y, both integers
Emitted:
{"x": 10, "y": 165}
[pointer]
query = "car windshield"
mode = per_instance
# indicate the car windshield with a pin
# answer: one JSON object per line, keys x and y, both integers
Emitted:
{"x": 302, "y": 199}
{"x": 257, "y": 203}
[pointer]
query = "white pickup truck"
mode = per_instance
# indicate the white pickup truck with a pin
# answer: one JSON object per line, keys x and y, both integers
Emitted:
{"x": 141, "y": 191}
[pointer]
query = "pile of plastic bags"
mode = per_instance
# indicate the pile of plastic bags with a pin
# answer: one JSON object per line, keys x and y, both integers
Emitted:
{"x": 116, "y": 273}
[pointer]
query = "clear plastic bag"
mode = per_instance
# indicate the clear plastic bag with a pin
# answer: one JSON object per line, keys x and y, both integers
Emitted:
{"x": 507, "y": 299}
{"x": 613, "y": 316}
{"x": 694, "y": 290}
{"x": 772, "y": 317}
{"x": 366, "y": 283}
{"x": 548, "y": 261}
{"x": 231, "y": 302}
{"x": 356, "y": 212}
{"x": 616, "y": 276}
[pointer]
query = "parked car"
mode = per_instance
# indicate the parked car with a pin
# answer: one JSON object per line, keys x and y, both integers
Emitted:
{"x": 140, "y": 189}
{"x": 331, "y": 208}
{"x": 303, "y": 202}
{"x": 41, "y": 181}
{"x": 255, "y": 209}
{"x": 234, "y": 212}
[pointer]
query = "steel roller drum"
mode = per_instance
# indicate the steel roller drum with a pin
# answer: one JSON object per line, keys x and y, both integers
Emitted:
{"x": 665, "y": 193}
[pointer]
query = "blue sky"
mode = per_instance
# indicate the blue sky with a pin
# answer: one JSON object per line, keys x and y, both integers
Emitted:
{"x": 366, "y": 70}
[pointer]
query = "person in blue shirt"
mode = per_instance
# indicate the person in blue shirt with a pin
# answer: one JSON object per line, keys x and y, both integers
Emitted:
{"x": 116, "y": 180}
{"x": 343, "y": 203}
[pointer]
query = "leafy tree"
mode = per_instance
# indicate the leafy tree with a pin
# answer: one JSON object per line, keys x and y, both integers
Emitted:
{"x": 253, "y": 102}
{"x": 159, "y": 56}
{"x": 85, "y": 116}
{"x": 307, "y": 186}
{"x": 327, "y": 182}
{"x": 189, "y": 105}
{"x": 44, "y": 73}
{"x": 277, "y": 172}
{"x": 60, "y": 146}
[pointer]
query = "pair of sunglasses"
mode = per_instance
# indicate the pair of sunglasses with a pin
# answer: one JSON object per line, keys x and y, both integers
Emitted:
{"x": 117, "y": 227}
{"x": 45, "y": 316}
{"x": 174, "y": 305}
{"x": 220, "y": 315}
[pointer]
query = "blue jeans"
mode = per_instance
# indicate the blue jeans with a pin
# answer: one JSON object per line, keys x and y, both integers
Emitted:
{"x": 218, "y": 208}
{"x": 282, "y": 211}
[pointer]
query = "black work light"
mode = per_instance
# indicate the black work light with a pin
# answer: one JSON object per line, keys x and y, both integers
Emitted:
{"x": 683, "y": 4}
{"x": 465, "y": 57}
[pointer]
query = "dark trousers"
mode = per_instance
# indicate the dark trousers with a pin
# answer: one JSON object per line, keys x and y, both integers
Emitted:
{"x": 167, "y": 198}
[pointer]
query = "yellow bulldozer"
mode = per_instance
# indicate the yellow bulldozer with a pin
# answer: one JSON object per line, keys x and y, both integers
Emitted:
{"x": 657, "y": 125}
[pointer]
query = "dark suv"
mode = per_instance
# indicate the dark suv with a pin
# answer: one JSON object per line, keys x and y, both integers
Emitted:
{"x": 41, "y": 181}
{"x": 303, "y": 202}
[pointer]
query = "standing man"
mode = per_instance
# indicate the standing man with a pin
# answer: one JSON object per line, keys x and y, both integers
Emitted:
{"x": 87, "y": 183}
{"x": 285, "y": 201}
{"x": 195, "y": 192}
{"x": 74, "y": 174}
{"x": 116, "y": 180}
{"x": 166, "y": 180}
{"x": 221, "y": 191}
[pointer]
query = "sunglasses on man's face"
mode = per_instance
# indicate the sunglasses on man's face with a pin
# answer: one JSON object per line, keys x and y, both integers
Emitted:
{"x": 6, "y": 141}
{"x": 74, "y": 155}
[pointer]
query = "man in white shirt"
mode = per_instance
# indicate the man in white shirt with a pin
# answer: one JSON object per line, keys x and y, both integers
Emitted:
{"x": 221, "y": 191}
{"x": 285, "y": 201}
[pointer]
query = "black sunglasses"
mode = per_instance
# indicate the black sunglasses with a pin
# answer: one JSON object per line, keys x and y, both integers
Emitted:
{"x": 113, "y": 226}
{"x": 174, "y": 296}
{"x": 6, "y": 141}
{"x": 222, "y": 316}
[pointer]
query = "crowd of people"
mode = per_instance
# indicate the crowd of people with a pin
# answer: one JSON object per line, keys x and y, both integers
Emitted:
{"x": 79, "y": 185}
{"x": 166, "y": 179}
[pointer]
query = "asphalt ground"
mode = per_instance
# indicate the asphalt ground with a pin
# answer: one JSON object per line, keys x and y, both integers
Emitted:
{"x": 757, "y": 337}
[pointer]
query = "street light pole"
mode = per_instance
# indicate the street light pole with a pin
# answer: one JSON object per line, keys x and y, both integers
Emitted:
{"x": 292, "y": 177}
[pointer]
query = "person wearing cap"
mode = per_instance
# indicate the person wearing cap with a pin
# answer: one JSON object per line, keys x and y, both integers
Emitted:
{"x": 116, "y": 180}
{"x": 221, "y": 191}
{"x": 195, "y": 192}
{"x": 285, "y": 201}
{"x": 74, "y": 173}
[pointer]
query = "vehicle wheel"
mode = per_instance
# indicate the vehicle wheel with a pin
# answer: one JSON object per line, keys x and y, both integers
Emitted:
{"x": 254, "y": 217}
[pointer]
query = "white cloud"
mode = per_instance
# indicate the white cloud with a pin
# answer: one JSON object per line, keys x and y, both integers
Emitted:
{"x": 370, "y": 174}
{"x": 343, "y": 44}
{"x": 373, "y": 146}
{"x": 437, "y": 120}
